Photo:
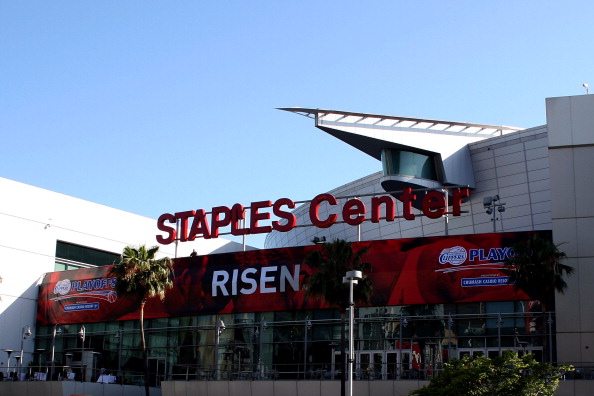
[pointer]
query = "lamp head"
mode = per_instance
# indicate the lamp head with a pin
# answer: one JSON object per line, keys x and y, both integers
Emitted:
{"x": 487, "y": 201}
{"x": 221, "y": 325}
{"x": 354, "y": 275}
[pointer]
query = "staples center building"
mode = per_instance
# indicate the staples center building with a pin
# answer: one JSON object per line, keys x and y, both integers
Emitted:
{"x": 238, "y": 313}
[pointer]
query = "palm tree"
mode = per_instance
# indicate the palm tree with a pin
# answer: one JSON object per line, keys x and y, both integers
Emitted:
{"x": 141, "y": 276}
{"x": 331, "y": 263}
{"x": 536, "y": 268}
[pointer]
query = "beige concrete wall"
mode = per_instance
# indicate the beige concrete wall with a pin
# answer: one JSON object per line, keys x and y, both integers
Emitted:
{"x": 68, "y": 388}
{"x": 575, "y": 388}
{"x": 287, "y": 388}
{"x": 243, "y": 388}
{"x": 570, "y": 122}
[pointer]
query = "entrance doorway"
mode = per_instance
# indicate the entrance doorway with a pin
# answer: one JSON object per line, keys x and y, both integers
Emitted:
{"x": 157, "y": 370}
{"x": 378, "y": 365}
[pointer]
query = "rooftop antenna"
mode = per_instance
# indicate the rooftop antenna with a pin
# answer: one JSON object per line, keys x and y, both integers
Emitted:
{"x": 586, "y": 86}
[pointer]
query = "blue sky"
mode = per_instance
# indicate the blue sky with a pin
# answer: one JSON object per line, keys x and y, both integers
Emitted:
{"x": 154, "y": 107}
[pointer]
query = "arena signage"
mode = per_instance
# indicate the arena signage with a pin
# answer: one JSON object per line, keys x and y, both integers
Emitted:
{"x": 432, "y": 270}
{"x": 194, "y": 223}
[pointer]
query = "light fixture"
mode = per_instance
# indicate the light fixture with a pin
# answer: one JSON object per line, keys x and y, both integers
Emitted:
{"x": 488, "y": 201}
{"x": 221, "y": 326}
{"x": 82, "y": 334}
{"x": 26, "y": 333}
{"x": 492, "y": 203}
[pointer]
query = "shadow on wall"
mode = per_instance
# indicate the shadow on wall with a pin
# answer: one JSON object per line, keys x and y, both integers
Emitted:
{"x": 16, "y": 313}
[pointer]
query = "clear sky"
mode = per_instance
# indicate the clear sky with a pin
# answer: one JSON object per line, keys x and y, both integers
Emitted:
{"x": 166, "y": 106}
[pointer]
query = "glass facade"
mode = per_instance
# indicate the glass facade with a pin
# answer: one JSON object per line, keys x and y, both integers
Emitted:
{"x": 408, "y": 163}
{"x": 393, "y": 342}
{"x": 70, "y": 256}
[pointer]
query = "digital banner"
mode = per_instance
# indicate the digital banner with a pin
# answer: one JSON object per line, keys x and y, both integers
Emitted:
{"x": 444, "y": 269}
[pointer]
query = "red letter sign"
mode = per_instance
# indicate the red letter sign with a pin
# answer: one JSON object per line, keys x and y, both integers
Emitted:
{"x": 314, "y": 209}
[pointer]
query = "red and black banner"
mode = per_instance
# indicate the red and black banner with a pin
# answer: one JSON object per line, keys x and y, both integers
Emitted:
{"x": 461, "y": 268}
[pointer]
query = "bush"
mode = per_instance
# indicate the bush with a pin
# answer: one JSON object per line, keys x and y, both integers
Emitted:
{"x": 506, "y": 375}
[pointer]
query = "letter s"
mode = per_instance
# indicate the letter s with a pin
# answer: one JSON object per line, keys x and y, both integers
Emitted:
{"x": 163, "y": 227}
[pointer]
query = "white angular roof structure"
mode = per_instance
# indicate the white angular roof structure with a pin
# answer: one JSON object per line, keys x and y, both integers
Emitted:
{"x": 444, "y": 143}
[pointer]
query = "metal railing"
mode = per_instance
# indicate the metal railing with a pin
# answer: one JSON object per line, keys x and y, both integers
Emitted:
{"x": 73, "y": 373}
{"x": 189, "y": 372}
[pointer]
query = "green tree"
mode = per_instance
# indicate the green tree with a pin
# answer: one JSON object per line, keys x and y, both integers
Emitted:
{"x": 140, "y": 276}
{"x": 506, "y": 375}
{"x": 536, "y": 268}
{"x": 331, "y": 263}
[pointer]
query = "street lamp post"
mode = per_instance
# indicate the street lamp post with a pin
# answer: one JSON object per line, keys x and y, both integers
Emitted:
{"x": 403, "y": 324}
{"x": 39, "y": 354}
{"x": 26, "y": 333}
{"x": 8, "y": 352}
{"x": 351, "y": 277}
{"x": 219, "y": 328}
{"x": 307, "y": 327}
{"x": 119, "y": 338}
{"x": 57, "y": 332}
{"x": 499, "y": 324}
{"x": 550, "y": 327}
{"x": 263, "y": 326}
{"x": 82, "y": 334}
{"x": 450, "y": 324}
{"x": 333, "y": 345}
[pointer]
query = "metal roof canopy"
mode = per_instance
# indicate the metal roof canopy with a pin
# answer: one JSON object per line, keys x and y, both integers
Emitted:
{"x": 367, "y": 120}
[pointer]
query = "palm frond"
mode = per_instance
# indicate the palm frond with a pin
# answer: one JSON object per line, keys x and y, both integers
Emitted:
{"x": 331, "y": 262}
{"x": 139, "y": 274}
{"x": 536, "y": 268}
